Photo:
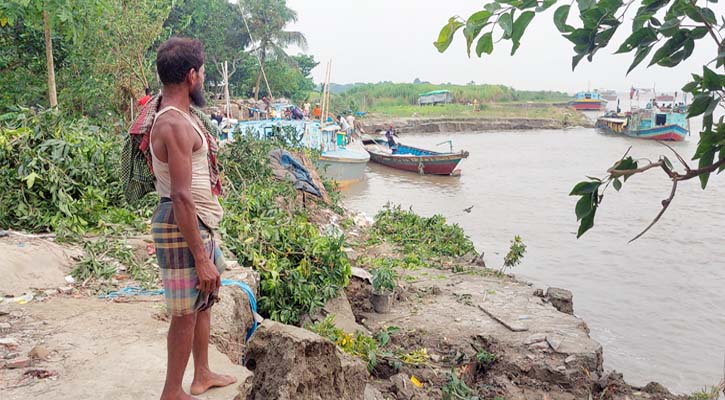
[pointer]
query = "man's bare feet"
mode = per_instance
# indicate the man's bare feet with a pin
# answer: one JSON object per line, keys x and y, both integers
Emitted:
{"x": 207, "y": 380}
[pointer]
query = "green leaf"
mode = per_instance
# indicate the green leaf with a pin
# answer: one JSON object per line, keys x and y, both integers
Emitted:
{"x": 519, "y": 28}
{"x": 709, "y": 15}
{"x": 637, "y": 39}
{"x": 585, "y": 187}
{"x": 711, "y": 80}
{"x": 586, "y": 223}
{"x": 560, "y": 16}
{"x": 575, "y": 60}
{"x": 492, "y": 7}
{"x": 485, "y": 44}
{"x": 699, "y": 32}
{"x": 446, "y": 35}
{"x": 585, "y": 4}
{"x": 507, "y": 23}
{"x": 584, "y": 206}
{"x": 475, "y": 23}
{"x": 661, "y": 53}
{"x": 690, "y": 87}
{"x": 667, "y": 162}
{"x": 699, "y": 105}
{"x": 641, "y": 54}
{"x": 30, "y": 179}
{"x": 617, "y": 184}
{"x": 705, "y": 161}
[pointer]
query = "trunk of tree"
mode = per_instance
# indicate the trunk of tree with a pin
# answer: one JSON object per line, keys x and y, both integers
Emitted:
{"x": 227, "y": 101}
{"x": 52, "y": 97}
{"x": 259, "y": 75}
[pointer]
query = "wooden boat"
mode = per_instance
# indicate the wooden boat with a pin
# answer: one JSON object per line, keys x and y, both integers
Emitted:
{"x": 608, "y": 94}
{"x": 413, "y": 159}
{"x": 588, "y": 101}
{"x": 648, "y": 123}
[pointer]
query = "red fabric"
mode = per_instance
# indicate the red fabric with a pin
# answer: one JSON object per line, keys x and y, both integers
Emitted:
{"x": 144, "y": 100}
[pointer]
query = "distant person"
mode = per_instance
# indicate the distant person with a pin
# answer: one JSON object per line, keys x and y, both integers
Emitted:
{"x": 351, "y": 123}
{"x": 306, "y": 109}
{"x": 267, "y": 103}
{"x": 317, "y": 112}
{"x": 343, "y": 123}
{"x": 391, "y": 140}
{"x": 142, "y": 101}
{"x": 297, "y": 114}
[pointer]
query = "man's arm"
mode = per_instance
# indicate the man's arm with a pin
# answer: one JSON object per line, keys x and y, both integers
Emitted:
{"x": 179, "y": 142}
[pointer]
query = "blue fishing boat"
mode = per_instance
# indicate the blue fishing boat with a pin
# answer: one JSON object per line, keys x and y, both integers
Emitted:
{"x": 651, "y": 122}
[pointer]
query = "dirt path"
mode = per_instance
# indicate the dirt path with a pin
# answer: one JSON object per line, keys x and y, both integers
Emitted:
{"x": 96, "y": 350}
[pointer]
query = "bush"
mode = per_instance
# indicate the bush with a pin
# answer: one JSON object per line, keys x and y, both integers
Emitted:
{"x": 59, "y": 175}
{"x": 300, "y": 268}
{"x": 424, "y": 237}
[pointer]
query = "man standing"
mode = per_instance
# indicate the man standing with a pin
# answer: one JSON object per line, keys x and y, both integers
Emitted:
{"x": 187, "y": 181}
{"x": 142, "y": 101}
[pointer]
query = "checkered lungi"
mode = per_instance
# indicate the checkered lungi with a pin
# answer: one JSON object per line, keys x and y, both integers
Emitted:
{"x": 177, "y": 265}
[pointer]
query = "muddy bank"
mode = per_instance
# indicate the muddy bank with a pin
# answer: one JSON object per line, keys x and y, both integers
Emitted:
{"x": 497, "y": 336}
{"x": 483, "y": 124}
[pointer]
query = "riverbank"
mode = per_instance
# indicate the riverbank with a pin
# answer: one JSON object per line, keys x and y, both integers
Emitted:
{"x": 458, "y": 328}
{"x": 493, "y": 118}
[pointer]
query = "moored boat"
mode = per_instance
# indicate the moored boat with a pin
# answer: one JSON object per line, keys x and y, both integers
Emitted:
{"x": 649, "y": 123}
{"x": 588, "y": 101}
{"x": 341, "y": 159}
{"x": 413, "y": 159}
{"x": 609, "y": 95}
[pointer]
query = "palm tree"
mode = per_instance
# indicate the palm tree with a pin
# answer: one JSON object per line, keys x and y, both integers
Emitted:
{"x": 266, "y": 20}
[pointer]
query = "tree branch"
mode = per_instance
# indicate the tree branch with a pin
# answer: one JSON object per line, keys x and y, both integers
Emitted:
{"x": 665, "y": 204}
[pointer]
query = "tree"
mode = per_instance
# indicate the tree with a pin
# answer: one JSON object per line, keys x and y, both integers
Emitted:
{"x": 267, "y": 20}
{"x": 67, "y": 15}
{"x": 673, "y": 27}
{"x": 219, "y": 25}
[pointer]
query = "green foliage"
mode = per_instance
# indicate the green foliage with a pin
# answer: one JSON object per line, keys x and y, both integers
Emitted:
{"x": 666, "y": 31}
{"x": 359, "y": 345}
{"x": 300, "y": 268}
{"x": 486, "y": 358}
{"x": 515, "y": 254}
{"x": 456, "y": 389}
{"x": 384, "y": 279}
{"x": 60, "y": 176}
{"x": 425, "y": 237}
{"x": 103, "y": 258}
{"x": 711, "y": 393}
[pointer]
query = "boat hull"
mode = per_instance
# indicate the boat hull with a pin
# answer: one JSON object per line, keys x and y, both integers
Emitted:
{"x": 672, "y": 132}
{"x": 588, "y": 105}
{"x": 343, "y": 166}
{"x": 418, "y": 165}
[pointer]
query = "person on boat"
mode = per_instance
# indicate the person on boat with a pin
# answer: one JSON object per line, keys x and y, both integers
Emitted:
{"x": 317, "y": 112}
{"x": 297, "y": 114}
{"x": 391, "y": 140}
{"x": 142, "y": 101}
{"x": 183, "y": 155}
{"x": 306, "y": 108}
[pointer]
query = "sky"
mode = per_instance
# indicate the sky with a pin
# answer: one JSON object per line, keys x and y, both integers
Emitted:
{"x": 392, "y": 40}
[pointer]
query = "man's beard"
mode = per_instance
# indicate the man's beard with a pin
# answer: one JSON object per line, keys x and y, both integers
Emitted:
{"x": 197, "y": 96}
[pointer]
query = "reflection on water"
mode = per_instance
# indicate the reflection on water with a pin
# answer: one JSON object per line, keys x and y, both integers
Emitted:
{"x": 656, "y": 305}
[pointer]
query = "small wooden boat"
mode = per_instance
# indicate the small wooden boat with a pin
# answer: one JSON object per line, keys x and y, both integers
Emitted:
{"x": 413, "y": 159}
{"x": 649, "y": 123}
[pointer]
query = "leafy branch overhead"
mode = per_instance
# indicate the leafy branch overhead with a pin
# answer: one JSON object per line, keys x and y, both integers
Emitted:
{"x": 663, "y": 31}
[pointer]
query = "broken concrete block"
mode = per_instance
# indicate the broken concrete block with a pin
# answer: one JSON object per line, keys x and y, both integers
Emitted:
{"x": 293, "y": 363}
{"x": 561, "y": 299}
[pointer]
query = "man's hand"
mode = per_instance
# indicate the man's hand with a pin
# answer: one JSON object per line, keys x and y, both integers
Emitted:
{"x": 209, "y": 278}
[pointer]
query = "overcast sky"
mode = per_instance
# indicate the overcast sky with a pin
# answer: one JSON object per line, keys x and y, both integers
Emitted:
{"x": 391, "y": 40}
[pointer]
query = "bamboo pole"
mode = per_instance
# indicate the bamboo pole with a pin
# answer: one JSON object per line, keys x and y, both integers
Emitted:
{"x": 52, "y": 96}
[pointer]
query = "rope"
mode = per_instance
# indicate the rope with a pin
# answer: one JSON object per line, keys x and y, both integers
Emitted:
{"x": 261, "y": 67}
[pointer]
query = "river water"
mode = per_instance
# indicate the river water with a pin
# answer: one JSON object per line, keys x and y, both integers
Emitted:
{"x": 656, "y": 305}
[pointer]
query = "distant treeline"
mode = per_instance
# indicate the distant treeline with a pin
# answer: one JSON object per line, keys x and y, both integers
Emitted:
{"x": 372, "y": 96}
